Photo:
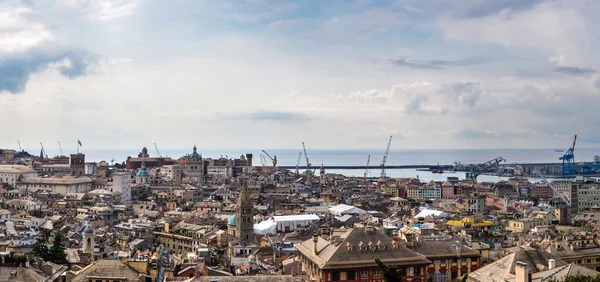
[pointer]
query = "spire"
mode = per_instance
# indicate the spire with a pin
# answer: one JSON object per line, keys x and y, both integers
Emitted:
{"x": 195, "y": 148}
{"x": 143, "y": 165}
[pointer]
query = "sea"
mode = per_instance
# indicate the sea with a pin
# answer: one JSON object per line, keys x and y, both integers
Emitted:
{"x": 334, "y": 157}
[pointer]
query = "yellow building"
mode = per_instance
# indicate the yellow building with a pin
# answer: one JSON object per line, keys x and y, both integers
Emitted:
{"x": 477, "y": 223}
{"x": 524, "y": 225}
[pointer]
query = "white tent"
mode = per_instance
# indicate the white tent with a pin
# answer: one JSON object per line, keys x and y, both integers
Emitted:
{"x": 288, "y": 223}
{"x": 343, "y": 209}
{"x": 428, "y": 213}
{"x": 265, "y": 227}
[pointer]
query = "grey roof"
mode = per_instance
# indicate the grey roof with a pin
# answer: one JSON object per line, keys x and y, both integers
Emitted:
{"x": 504, "y": 268}
{"x": 443, "y": 248}
{"x": 106, "y": 268}
{"x": 338, "y": 250}
{"x": 265, "y": 278}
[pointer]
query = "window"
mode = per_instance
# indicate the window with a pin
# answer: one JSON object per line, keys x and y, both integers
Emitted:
{"x": 351, "y": 275}
{"x": 364, "y": 273}
{"x": 335, "y": 276}
{"x": 377, "y": 272}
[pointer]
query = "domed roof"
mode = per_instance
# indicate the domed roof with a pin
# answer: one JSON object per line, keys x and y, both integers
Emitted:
{"x": 88, "y": 230}
{"x": 231, "y": 221}
{"x": 143, "y": 172}
{"x": 195, "y": 154}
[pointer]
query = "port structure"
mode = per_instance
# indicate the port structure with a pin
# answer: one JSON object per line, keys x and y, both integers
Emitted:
{"x": 273, "y": 159}
{"x": 568, "y": 160}
{"x": 490, "y": 166}
{"x": 387, "y": 151}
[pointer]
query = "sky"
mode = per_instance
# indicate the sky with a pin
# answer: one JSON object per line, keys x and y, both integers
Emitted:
{"x": 275, "y": 73}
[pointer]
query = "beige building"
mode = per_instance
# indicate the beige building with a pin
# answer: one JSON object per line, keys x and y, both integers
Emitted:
{"x": 524, "y": 225}
{"x": 57, "y": 184}
{"x": 11, "y": 174}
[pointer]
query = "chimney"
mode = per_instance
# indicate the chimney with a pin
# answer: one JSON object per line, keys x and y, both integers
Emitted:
{"x": 551, "y": 264}
{"x": 522, "y": 272}
{"x": 315, "y": 240}
{"x": 167, "y": 227}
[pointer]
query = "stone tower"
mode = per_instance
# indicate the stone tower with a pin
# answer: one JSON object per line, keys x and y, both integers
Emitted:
{"x": 244, "y": 215}
{"x": 77, "y": 164}
{"x": 88, "y": 240}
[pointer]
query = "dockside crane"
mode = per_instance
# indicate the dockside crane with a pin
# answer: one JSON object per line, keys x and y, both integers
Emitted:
{"x": 568, "y": 160}
{"x": 306, "y": 156}
{"x": 43, "y": 152}
{"x": 383, "y": 175}
{"x": 298, "y": 164}
{"x": 367, "y": 169}
{"x": 20, "y": 149}
{"x": 60, "y": 147}
{"x": 273, "y": 159}
{"x": 157, "y": 152}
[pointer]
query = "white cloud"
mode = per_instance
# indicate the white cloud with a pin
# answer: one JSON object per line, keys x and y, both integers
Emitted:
{"x": 19, "y": 31}
{"x": 103, "y": 9}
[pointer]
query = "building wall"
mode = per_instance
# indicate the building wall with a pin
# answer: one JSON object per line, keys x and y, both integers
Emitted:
{"x": 448, "y": 269}
{"x": 122, "y": 183}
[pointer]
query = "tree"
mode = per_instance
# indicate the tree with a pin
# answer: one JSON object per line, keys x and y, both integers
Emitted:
{"x": 464, "y": 278}
{"x": 40, "y": 248}
{"x": 389, "y": 273}
{"x": 50, "y": 251}
{"x": 57, "y": 251}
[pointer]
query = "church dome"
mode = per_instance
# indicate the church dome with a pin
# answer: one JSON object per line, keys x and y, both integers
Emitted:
{"x": 231, "y": 221}
{"x": 195, "y": 154}
{"x": 88, "y": 230}
{"x": 143, "y": 172}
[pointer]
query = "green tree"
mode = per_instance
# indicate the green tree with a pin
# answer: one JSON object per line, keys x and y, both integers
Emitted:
{"x": 389, "y": 273}
{"x": 50, "y": 251}
{"x": 57, "y": 251}
{"x": 464, "y": 278}
{"x": 40, "y": 248}
{"x": 577, "y": 278}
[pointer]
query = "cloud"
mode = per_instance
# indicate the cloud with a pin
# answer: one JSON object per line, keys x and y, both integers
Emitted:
{"x": 105, "y": 9}
{"x": 16, "y": 69}
{"x": 575, "y": 70}
{"x": 489, "y": 134}
{"x": 276, "y": 116}
{"x": 283, "y": 24}
{"x": 437, "y": 64}
{"x": 463, "y": 93}
{"x": 18, "y": 31}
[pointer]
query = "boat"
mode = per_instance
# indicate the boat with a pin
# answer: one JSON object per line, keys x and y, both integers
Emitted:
{"x": 559, "y": 151}
{"x": 437, "y": 171}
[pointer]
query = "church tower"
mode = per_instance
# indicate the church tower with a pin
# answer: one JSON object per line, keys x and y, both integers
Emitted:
{"x": 244, "y": 216}
{"x": 88, "y": 240}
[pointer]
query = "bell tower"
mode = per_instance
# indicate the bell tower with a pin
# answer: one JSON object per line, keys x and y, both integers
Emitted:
{"x": 88, "y": 240}
{"x": 245, "y": 216}
{"x": 77, "y": 164}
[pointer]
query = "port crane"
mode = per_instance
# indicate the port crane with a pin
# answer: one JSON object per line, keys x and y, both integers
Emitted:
{"x": 20, "y": 149}
{"x": 157, "y": 152}
{"x": 488, "y": 166}
{"x": 306, "y": 156}
{"x": 568, "y": 160}
{"x": 387, "y": 150}
{"x": 273, "y": 159}
{"x": 60, "y": 147}
{"x": 367, "y": 169}
{"x": 560, "y": 195}
{"x": 298, "y": 164}
{"x": 43, "y": 152}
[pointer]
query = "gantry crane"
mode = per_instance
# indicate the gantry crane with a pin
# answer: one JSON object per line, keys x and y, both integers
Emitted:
{"x": 157, "y": 152}
{"x": 60, "y": 147}
{"x": 298, "y": 164}
{"x": 568, "y": 160}
{"x": 383, "y": 175}
{"x": 367, "y": 169}
{"x": 306, "y": 156}
{"x": 273, "y": 159}
{"x": 43, "y": 152}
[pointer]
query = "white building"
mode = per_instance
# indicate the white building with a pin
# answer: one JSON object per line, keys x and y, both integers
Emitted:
{"x": 431, "y": 190}
{"x": 58, "y": 184}
{"x": 122, "y": 184}
{"x": 11, "y": 174}
{"x": 4, "y": 216}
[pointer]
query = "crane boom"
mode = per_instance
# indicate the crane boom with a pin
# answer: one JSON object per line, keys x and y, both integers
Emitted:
{"x": 574, "y": 141}
{"x": 560, "y": 195}
{"x": 20, "y": 149}
{"x": 44, "y": 155}
{"x": 298, "y": 164}
{"x": 60, "y": 147}
{"x": 157, "y": 152}
{"x": 306, "y": 156}
{"x": 387, "y": 151}
{"x": 273, "y": 159}
{"x": 367, "y": 169}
